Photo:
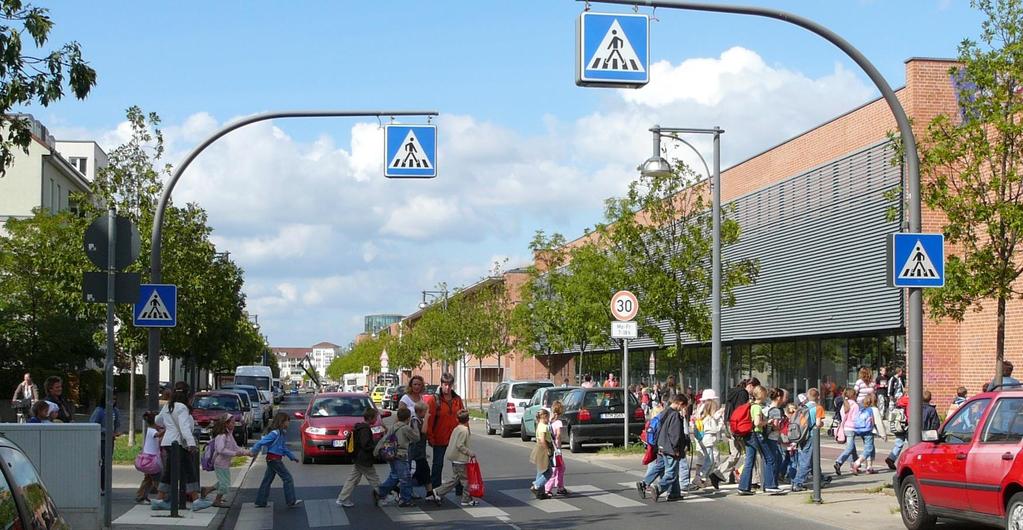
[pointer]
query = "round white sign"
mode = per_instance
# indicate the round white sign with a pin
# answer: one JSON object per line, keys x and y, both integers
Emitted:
{"x": 624, "y": 306}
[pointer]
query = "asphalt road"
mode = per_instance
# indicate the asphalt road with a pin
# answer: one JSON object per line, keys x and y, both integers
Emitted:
{"x": 603, "y": 497}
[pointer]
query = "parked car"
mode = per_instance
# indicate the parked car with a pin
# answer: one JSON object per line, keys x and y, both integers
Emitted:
{"x": 395, "y": 397}
{"x": 508, "y": 403}
{"x": 597, "y": 415}
{"x": 328, "y": 421}
{"x": 431, "y": 390}
{"x": 247, "y": 412}
{"x": 207, "y": 407}
{"x": 970, "y": 469}
{"x": 294, "y": 390}
{"x": 24, "y": 500}
{"x": 378, "y": 395}
{"x": 542, "y": 399}
{"x": 261, "y": 414}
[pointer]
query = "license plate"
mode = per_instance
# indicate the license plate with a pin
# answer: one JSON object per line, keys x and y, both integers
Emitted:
{"x": 377, "y": 430}
{"x": 204, "y": 431}
{"x": 613, "y": 416}
{"x": 338, "y": 443}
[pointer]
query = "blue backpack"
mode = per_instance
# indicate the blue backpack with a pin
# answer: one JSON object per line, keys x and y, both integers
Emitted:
{"x": 651, "y": 430}
{"x": 864, "y": 423}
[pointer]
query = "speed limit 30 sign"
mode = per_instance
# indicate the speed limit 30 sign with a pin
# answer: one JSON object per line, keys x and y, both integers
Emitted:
{"x": 624, "y": 306}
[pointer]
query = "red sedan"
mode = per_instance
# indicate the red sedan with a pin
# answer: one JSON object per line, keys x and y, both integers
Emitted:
{"x": 329, "y": 420}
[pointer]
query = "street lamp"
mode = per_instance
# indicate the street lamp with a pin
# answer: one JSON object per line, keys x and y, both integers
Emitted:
{"x": 657, "y": 166}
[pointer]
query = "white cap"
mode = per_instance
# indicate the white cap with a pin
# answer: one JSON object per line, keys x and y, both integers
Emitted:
{"x": 709, "y": 394}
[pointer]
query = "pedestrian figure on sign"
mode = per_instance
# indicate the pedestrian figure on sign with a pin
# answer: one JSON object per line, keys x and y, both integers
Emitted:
{"x": 615, "y": 47}
{"x": 410, "y": 156}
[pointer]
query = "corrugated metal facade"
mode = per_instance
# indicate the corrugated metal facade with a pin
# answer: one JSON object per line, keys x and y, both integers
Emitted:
{"x": 820, "y": 238}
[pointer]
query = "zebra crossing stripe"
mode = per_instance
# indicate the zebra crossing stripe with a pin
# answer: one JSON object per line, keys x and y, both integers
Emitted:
{"x": 252, "y": 518}
{"x": 550, "y": 505}
{"x": 324, "y": 512}
{"x": 405, "y": 515}
{"x": 610, "y": 499}
{"x": 483, "y": 509}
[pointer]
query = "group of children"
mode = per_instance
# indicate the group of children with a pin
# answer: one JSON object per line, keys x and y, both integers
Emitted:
{"x": 546, "y": 455}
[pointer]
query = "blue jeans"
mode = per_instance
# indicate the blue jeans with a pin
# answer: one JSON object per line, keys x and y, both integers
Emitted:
{"x": 276, "y": 467}
{"x": 654, "y": 470}
{"x": 868, "y": 446}
{"x": 437, "y": 466}
{"x": 542, "y": 477}
{"x": 850, "y": 448}
{"x": 756, "y": 443}
{"x": 683, "y": 472}
{"x": 669, "y": 481}
{"x": 400, "y": 476}
{"x": 804, "y": 463}
{"x": 900, "y": 443}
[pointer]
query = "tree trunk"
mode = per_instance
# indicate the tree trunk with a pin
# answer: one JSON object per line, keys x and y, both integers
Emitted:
{"x": 479, "y": 377}
{"x": 1000, "y": 342}
{"x": 131, "y": 402}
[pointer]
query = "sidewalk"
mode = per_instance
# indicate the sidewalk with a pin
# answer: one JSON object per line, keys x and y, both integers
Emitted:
{"x": 128, "y": 515}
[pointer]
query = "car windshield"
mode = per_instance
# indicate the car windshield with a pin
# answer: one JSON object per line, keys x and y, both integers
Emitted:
{"x": 551, "y": 396}
{"x": 605, "y": 398}
{"x": 339, "y": 406}
{"x": 216, "y": 403}
{"x": 379, "y": 390}
{"x": 526, "y": 390}
{"x": 252, "y": 392}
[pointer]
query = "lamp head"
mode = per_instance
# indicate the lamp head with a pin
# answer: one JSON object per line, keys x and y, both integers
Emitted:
{"x": 422, "y": 305}
{"x": 655, "y": 166}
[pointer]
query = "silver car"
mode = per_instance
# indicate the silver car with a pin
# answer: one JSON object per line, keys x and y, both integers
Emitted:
{"x": 508, "y": 403}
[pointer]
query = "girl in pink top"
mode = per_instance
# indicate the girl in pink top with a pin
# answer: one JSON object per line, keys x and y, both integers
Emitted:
{"x": 224, "y": 449}
{"x": 557, "y": 479}
{"x": 847, "y": 430}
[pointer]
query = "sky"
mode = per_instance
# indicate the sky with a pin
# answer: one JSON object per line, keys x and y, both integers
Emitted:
{"x": 303, "y": 206}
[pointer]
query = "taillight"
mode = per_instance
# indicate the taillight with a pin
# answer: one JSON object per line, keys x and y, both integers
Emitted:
{"x": 584, "y": 415}
{"x": 510, "y": 409}
{"x": 638, "y": 415}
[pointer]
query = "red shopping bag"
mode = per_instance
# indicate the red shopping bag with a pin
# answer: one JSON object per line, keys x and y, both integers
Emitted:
{"x": 474, "y": 477}
{"x": 649, "y": 455}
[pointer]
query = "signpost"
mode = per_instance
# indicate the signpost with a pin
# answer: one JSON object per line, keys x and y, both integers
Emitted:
{"x": 410, "y": 151}
{"x": 624, "y": 307}
{"x": 156, "y": 306}
{"x": 916, "y": 260}
{"x": 613, "y": 50}
{"x": 652, "y": 367}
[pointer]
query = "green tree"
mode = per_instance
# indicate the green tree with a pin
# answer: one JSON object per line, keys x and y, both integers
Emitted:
{"x": 30, "y": 74}
{"x": 662, "y": 230}
{"x": 973, "y": 169}
{"x": 537, "y": 321}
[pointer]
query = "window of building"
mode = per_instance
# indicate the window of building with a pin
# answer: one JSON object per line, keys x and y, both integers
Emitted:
{"x": 53, "y": 198}
{"x": 60, "y": 197}
{"x": 80, "y": 163}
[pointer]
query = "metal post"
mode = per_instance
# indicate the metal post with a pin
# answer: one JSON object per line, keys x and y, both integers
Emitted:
{"x": 627, "y": 414}
{"x": 175, "y": 476}
{"x": 914, "y": 322}
{"x": 108, "y": 396}
{"x": 715, "y": 295}
{"x": 156, "y": 262}
{"x": 816, "y": 459}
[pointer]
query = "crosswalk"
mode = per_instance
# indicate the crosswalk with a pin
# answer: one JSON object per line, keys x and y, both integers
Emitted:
{"x": 321, "y": 513}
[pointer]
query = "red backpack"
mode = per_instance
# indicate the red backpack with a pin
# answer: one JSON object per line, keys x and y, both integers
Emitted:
{"x": 740, "y": 422}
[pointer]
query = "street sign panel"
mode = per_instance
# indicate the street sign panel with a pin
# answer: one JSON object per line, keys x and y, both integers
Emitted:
{"x": 624, "y": 330}
{"x": 156, "y": 306}
{"x": 613, "y": 50}
{"x": 126, "y": 248}
{"x": 652, "y": 364}
{"x": 916, "y": 260}
{"x": 410, "y": 151}
{"x": 624, "y": 306}
{"x": 126, "y": 287}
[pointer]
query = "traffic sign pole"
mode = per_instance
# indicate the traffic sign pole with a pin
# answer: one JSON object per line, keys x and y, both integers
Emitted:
{"x": 108, "y": 415}
{"x": 625, "y": 389}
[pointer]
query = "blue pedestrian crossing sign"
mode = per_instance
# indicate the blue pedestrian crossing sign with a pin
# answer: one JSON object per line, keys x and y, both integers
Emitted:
{"x": 157, "y": 306}
{"x": 916, "y": 260}
{"x": 613, "y": 50}
{"x": 410, "y": 151}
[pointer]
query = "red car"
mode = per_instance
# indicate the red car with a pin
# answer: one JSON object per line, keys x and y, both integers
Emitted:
{"x": 329, "y": 419}
{"x": 208, "y": 406}
{"x": 970, "y": 469}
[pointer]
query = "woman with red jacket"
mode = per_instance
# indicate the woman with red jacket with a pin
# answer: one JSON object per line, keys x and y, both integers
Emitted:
{"x": 443, "y": 418}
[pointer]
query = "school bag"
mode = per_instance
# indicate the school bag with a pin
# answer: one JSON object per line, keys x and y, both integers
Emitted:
{"x": 698, "y": 429}
{"x": 741, "y": 422}
{"x": 387, "y": 449}
{"x": 799, "y": 427}
{"x": 652, "y": 426}
{"x": 897, "y": 421}
{"x": 864, "y": 423}
{"x": 206, "y": 462}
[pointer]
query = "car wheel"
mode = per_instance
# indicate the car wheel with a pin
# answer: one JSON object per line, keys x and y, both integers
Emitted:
{"x": 574, "y": 444}
{"x": 913, "y": 507}
{"x": 505, "y": 432}
{"x": 490, "y": 430}
{"x": 522, "y": 433}
{"x": 1014, "y": 513}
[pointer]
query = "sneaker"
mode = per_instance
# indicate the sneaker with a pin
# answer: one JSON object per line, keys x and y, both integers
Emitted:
{"x": 871, "y": 471}
{"x": 746, "y": 493}
{"x": 755, "y": 486}
{"x": 564, "y": 492}
{"x": 655, "y": 491}
{"x": 797, "y": 489}
{"x": 435, "y": 498}
{"x": 693, "y": 487}
{"x": 715, "y": 481}
{"x": 855, "y": 469}
{"x": 673, "y": 498}
{"x": 470, "y": 502}
{"x": 543, "y": 495}
{"x": 406, "y": 504}
{"x": 200, "y": 504}
{"x": 838, "y": 469}
{"x": 298, "y": 502}
{"x": 641, "y": 489}
{"x": 346, "y": 504}
{"x": 774, "y": 491}
{"x": 891, "y": 462}
{"x": 159, "y": 505}
{"x": 387, "y": 501}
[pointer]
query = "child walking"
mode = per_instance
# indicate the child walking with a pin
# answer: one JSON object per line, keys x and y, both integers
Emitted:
{"x": 557, "y": 479}
{"x": 363, "y": 461}
{"x": 224, "y": 449}
{"x": 151, "y": 463}
{"x": 276, "y": 445}
{"x": 541, "y": 455}
{"x": 459, "y": 454}
{"x": 868, "y": 424}
{"x": 404, "y": 435}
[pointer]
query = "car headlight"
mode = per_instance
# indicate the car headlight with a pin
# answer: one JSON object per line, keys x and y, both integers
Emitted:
{"x": 315, "y": 430}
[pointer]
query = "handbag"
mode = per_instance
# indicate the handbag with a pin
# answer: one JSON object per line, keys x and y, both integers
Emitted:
{"x": 148, "y": 464}
{"x": 650, "y": 454}
{"x": 474, "y": 478}
{"x": 840, "y": 435}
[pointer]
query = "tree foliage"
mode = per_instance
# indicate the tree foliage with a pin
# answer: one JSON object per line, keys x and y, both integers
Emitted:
{"x": 973, "y": 169}
{"x": 31, "y": 74}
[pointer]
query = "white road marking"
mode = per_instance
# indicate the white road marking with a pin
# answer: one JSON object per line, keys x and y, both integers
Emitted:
{"x": 610, "y": 499}
{"x": 324, "y": 512}
{"x": 550, "y": 505}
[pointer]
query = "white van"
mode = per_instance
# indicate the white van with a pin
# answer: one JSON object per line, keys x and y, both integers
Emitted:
{"x": 260, "y": 377}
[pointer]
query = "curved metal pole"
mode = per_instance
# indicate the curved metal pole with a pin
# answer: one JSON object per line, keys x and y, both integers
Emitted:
{"x": 914, "y": 323}
{"x": 156, "y": 264}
